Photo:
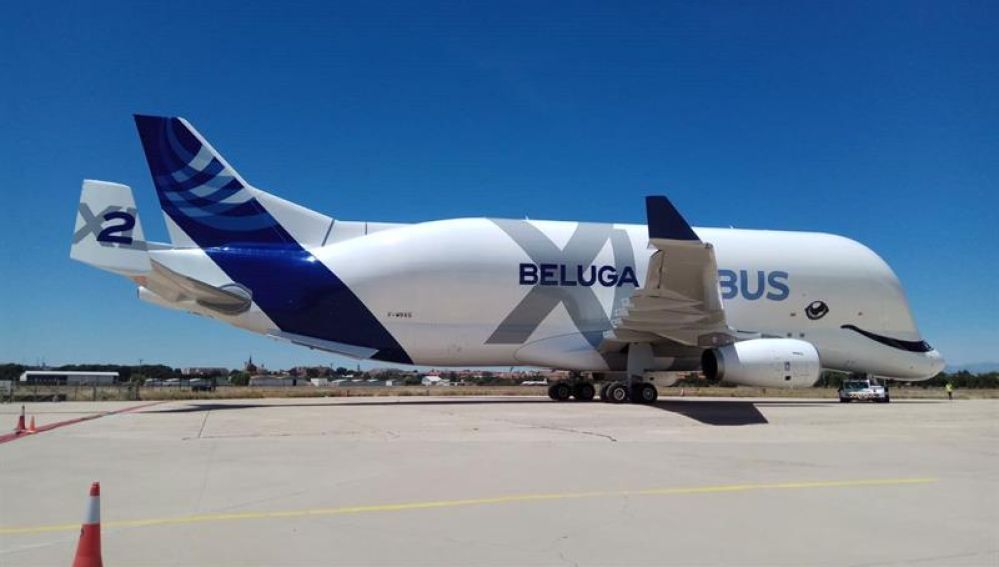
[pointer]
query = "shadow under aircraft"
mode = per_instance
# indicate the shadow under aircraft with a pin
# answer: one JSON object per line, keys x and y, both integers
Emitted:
{"x": 709, "y": 412}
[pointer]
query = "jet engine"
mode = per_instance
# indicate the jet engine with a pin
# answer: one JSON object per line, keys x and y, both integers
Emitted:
{"x": 769, "y": 363}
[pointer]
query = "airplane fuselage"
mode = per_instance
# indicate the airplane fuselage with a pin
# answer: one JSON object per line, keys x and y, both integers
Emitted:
{"x": 497, "y": 292}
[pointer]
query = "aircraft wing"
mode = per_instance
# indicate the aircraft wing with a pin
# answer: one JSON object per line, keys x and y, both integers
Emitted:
{"x": 680, "y": 301}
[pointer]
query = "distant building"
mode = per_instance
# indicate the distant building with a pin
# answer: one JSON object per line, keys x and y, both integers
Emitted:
{"x": 360, "y": 383}
{"x": 278, "y": 381}
{"x": 66, "y": 377}
{"x": 431, "y": 380}
{"x": 311, "y": 371}
{"x": 204, "y": 371}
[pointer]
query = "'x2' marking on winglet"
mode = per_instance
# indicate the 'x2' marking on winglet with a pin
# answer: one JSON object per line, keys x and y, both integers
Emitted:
{"x": 94, "y": 224}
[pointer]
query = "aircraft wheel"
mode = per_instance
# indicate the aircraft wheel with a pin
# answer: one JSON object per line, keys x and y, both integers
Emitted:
{"x": 559, "y": 391}
{"x": 603, "y": 392}
{"x": 644, "y": 393}
{"x": 584, "y": 391}
{"x": 617, "y": 393}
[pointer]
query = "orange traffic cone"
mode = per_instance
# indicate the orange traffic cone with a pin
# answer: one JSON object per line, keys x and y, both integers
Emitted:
{"x": 31, "y": 425}
{"x": 88, "y": 551}
{"x": 20, "y": 422}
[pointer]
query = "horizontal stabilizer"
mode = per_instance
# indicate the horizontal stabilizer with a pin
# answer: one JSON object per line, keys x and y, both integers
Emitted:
{"x": 229, "y": 299}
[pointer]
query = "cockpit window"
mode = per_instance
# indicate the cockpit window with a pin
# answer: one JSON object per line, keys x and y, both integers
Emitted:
{"x": 911, "y": 346}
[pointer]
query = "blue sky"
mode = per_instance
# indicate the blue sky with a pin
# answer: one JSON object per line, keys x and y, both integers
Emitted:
{"x": 875, "y": 120}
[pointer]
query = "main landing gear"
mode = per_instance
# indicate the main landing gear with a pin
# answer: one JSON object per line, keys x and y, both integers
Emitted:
{"x": 633, "y": 388}
{"x": 617, "y": 392}
{"x": 576, "y": 387}
{"x": 581, "y": 390}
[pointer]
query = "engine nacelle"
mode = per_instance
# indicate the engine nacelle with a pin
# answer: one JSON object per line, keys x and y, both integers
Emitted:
{"x": 769, "y": 363}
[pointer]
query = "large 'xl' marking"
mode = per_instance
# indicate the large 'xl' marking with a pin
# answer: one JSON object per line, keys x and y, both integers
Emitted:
{"x": 581, "y": 302}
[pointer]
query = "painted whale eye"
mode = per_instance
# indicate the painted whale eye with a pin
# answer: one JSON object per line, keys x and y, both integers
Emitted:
{"x": 816, "y": 310}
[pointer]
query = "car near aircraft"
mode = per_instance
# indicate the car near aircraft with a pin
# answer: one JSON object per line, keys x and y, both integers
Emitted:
{"x": 617, "y": 303}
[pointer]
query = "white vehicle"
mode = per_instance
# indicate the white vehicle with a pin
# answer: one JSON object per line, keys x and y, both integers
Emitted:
{"x": 625, "y": 302}
{"x": 863, "y": 390}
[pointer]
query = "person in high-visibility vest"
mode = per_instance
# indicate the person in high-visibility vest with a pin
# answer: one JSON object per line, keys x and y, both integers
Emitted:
{"x": 950, "y": 391}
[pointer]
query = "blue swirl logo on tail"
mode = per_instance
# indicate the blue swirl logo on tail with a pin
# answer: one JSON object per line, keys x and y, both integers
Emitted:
{"x": 216, "y": 208}
{"x": 200, "y": 191}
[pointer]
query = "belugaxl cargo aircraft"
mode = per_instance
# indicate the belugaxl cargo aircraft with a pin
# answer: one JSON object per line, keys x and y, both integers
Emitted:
{"x": 623, "y": 305}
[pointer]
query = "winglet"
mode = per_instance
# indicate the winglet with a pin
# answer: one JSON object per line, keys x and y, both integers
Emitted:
{"x": 108, "y": 233}
{"x": 666, "y": 222}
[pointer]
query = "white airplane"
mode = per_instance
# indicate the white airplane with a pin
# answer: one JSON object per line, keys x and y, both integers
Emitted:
{"x": 617, "y": 303}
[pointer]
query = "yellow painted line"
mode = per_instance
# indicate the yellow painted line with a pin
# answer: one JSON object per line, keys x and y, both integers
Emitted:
{"x": 346, "y": 510}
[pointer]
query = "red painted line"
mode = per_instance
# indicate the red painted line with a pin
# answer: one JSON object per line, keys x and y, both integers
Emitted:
{"x": 7, "y": 437}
